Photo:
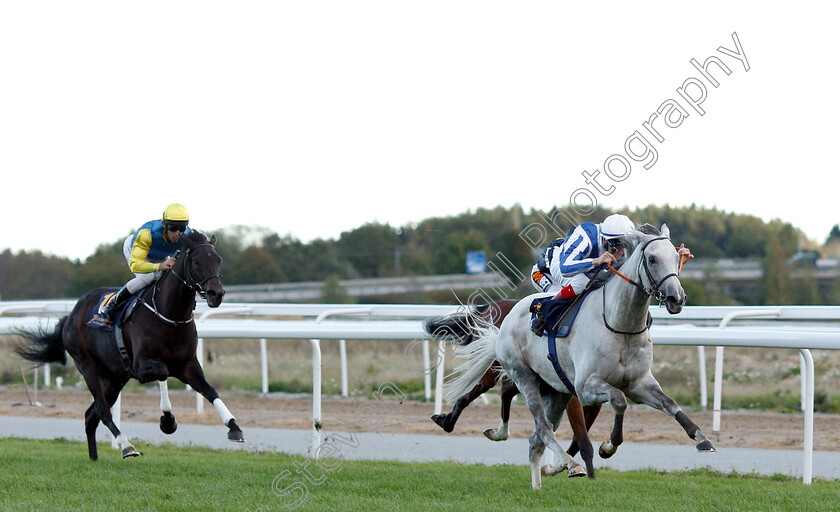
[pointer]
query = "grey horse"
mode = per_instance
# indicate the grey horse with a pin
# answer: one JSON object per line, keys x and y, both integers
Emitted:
{"x": 606, "y": 356}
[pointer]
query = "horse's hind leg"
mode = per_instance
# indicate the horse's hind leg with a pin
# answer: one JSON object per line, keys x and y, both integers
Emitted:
{"x": 528, "y": 383}
{"x": 447, "y": 421}
{"x": 192, "y": 374}
{"x": 648, "y": 391}
{"x": 509, "y": 392}
{"x": 554, "y": 404}
{"x": 91, "y": 422}
{"x": 590, "y": 413}
{"x": 112, "y": 387}
{"x": 168, "y": 425}
{"x": 105, "y": 391}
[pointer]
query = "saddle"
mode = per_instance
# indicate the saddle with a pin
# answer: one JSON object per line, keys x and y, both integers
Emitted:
{"x": 120, "y": 315}
{"x": 559, "y": 316}
{"x": 560, "y": 313}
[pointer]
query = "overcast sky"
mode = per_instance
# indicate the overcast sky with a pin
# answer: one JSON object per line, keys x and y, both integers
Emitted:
{"x": 312, "y": 118}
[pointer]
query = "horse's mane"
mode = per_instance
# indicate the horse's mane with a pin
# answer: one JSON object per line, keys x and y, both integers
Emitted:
{"x": 649, "y": 229}
{"x": 193, "y": 238}
{"x": 642, "y": 233}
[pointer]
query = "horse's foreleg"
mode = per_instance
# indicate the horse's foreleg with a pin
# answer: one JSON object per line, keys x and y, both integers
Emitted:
{"x": 149, "y": 369}
{"x": 168, "y": 425}
{"x": 597, "y": 391}
{"x": 192, "y": 374}
{"x": 580, "y": 433}
{"x": 649, "y": 392}
{"x": 509, "y": 392}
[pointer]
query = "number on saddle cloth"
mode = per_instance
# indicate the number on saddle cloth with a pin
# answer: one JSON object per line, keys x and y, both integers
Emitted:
{"x": 120, "y": 315}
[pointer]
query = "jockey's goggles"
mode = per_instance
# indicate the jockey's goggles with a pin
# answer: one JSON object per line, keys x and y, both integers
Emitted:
{"x": 176, "y": 226}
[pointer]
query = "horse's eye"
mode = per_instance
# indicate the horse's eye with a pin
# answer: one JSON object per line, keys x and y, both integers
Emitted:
{"x": 652, "y": 259}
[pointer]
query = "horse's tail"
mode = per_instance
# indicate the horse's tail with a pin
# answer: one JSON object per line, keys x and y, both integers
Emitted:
{"x": 42, "y": 346}
{"x": 479, "y": 356}
{"x": 461, "y": 328}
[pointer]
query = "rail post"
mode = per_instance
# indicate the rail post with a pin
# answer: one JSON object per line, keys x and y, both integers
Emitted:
{"x": 316, "y": 374}
{"x": 775, "y": 313}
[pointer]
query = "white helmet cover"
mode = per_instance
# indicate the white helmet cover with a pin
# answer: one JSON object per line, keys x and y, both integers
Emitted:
{"x": 616, "y": 226}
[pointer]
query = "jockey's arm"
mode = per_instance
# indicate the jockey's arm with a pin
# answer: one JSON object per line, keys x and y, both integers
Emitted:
{"x": 574, "y": 258}
{"x": 139, "y": 253}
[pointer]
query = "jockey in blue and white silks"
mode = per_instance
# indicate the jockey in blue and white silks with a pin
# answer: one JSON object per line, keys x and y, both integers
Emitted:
{"x": 149, "y": 252}
{"x": 567, "y": 268}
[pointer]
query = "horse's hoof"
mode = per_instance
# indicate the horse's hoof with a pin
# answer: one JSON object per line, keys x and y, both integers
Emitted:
{"x": 604, "y": 452}
{"x": 129, "y": 451}
{"x": 236, "y": 436}
{"x": 168, "y": 424}
{"x": 706, "y": 447}
{"x": 576, "y": 470}
{"x": 440, "y": 420}
{"x": 492, "y": 434}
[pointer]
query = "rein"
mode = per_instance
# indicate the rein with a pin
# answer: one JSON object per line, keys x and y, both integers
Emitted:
{"x": 192, "y": 284}
{"x": 656, "y": 293}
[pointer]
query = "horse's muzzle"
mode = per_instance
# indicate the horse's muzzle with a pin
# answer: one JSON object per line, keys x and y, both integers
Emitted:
{"x": 214, "y": 296}
{"x": 675, "y": 299}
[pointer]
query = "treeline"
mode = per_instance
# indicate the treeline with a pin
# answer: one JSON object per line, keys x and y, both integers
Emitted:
{"x": 509, "y": 237}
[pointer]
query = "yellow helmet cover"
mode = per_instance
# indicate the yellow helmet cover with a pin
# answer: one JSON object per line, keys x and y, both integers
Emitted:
{"x": 176, "y": 212}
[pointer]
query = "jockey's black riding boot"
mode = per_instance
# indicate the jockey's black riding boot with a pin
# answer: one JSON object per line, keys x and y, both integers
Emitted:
{"x": 538, "y": 324}
{"x": 108, "y": 309}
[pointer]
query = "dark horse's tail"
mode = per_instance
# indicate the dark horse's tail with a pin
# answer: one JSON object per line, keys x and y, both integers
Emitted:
{"x": 457, "y": 327}
{"x": 42, "y": 346}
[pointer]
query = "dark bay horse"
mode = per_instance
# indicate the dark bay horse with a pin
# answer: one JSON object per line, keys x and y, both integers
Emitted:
{"x": 461, "y": 328}
{"x": 159, "y": 337}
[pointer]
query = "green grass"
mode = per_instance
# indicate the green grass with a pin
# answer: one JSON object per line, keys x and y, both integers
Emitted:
{"x": 56, "y": 475}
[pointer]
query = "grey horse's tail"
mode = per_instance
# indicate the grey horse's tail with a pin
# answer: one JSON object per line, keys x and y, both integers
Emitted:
{"x": 478, "y": 356}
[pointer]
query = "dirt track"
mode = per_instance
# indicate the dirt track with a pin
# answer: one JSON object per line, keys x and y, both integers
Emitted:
{"x": 642, "y": 424}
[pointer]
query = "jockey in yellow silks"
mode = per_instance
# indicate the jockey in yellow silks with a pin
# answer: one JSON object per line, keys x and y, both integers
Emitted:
{"x": 149, "y": 252}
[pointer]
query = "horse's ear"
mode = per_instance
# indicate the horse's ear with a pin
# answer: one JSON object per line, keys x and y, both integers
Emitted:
{"x": 665, "y": 231}
{"x": 213, "y": 240}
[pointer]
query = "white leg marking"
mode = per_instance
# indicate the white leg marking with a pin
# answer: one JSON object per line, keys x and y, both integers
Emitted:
{"x": 223, "y": 411}
{"x": 122, "y": 441}
{"x": 165, "y": 404}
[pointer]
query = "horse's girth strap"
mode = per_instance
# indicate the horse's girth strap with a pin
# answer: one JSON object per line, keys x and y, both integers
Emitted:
{"x": 552, "y": 356}
{"x": 118, "y": 336}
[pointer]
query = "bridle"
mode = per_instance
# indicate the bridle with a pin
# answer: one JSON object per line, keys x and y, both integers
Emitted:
{"x": 189, "y": 281}
{"x": 654, "y": 292}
